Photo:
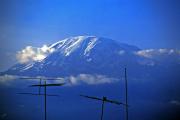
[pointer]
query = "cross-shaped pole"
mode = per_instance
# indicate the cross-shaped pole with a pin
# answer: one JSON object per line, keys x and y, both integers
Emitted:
{"x": 104, "y": 99}
{"x": 45, "y": 85}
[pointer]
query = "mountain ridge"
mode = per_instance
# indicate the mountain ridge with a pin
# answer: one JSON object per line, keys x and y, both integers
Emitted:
{"x": 86, "y": 55}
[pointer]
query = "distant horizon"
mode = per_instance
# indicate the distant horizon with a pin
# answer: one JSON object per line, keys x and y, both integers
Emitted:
{"x": 92, "y": 67}
{"x": 44, "y": 44}
{"x": 143, "y": 36}
{"x": 145, "y": 24}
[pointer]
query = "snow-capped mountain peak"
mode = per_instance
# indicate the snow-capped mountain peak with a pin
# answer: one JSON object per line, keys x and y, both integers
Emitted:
{"x": 68, "y": 45}
{"x": 81, "y": 54}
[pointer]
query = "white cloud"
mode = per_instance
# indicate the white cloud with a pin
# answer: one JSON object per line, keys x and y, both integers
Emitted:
{"x": 153, "y": 57}
{"x": 121, "y": 52}
{"x": 3, "y": 115}
{"x": 146, "y": 62}
{"x": 175, "y": 102}
{"x": 151, "y": 53}
{"x": 69, "y": 80}
{"x": 90, "y": 79}
{"x": 6, "y": 79}
{"x": 30, "y": 54}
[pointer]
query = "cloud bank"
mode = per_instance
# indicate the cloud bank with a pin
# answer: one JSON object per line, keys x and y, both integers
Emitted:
{"x": 6, "y": 79}
{"x": 175, "y": 102}
{"x": 152, "y": 53}
{"x": 30, "y": 54}
{"x": 153, "y": 57}
{"x": 90, "y": 79}
{"x": 69, "y": 80}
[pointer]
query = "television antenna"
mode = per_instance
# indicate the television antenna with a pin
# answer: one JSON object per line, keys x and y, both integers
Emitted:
{"x": 104, "y": 99}
{"x": 126, "y": 93}
{"x": 45, "y": 85}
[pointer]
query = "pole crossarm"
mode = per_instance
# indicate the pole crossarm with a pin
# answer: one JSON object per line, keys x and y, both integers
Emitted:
{"x": 48, "y": 85}
{"x": 126, "y": 93}
{"x": 38, "y": 94}
{"x": 104, "y": 99}
{"x": 42, "y": 78}
{"x": 92, "y": 97}
{"x": 114, "y": 102}
{"x": 44, "y": 85}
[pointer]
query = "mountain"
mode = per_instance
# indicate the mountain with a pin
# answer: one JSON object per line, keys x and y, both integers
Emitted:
{"x": 81, "y": 54}
{"x": 94, "y": 55}
{"x": 87, "y": 55}
{"x": 153, "y": 80}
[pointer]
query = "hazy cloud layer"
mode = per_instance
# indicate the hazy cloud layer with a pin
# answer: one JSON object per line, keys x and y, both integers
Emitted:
{"x": 175, "y": 102}
{"x": 158, "y": 56}
{"x": 90, "y": 79}
{"x": 70, "y": 80}
{"x": 3, "y": 115}
{"x": 121, "y": 52}
{"x": 152, "y": 53}
{"x": 6, "y": 79}
{"x": 30, "y": 53}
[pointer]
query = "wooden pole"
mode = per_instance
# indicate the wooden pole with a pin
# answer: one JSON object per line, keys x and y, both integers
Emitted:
{"x": 40, "y": 87}
{"x": 45, "y": 100}
{"x": 126, "y": 92}
{"x": 102, "y": 112}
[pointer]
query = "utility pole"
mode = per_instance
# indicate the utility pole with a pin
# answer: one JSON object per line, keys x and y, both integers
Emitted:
{"x": 104, "y": 99}
{"x": 45, "y": 100}
{"x": 126, "y": 93}
{"x": 45, "y": 85}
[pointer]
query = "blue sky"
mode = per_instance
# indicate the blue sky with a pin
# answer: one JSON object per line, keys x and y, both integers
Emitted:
{"x": 144, "y": 23}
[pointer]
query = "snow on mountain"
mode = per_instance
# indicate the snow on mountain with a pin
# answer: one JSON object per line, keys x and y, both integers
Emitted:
{"x": 86, "y": 55}
{"x": 153, "y": 75}
{"x": 69, "y": 45}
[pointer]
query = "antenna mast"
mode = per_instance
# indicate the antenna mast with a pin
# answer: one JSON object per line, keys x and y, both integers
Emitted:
{"x": 45, "y": 85}
{"x": 45, "y": 100}
{"x": 103, "y": 100}
{"x": 126, "y": 93}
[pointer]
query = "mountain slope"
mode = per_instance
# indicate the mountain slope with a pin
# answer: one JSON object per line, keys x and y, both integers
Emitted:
{"x": 153, "y": 79}
{"x": 89, "y": 55}
{"x": 82, "y": 54}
